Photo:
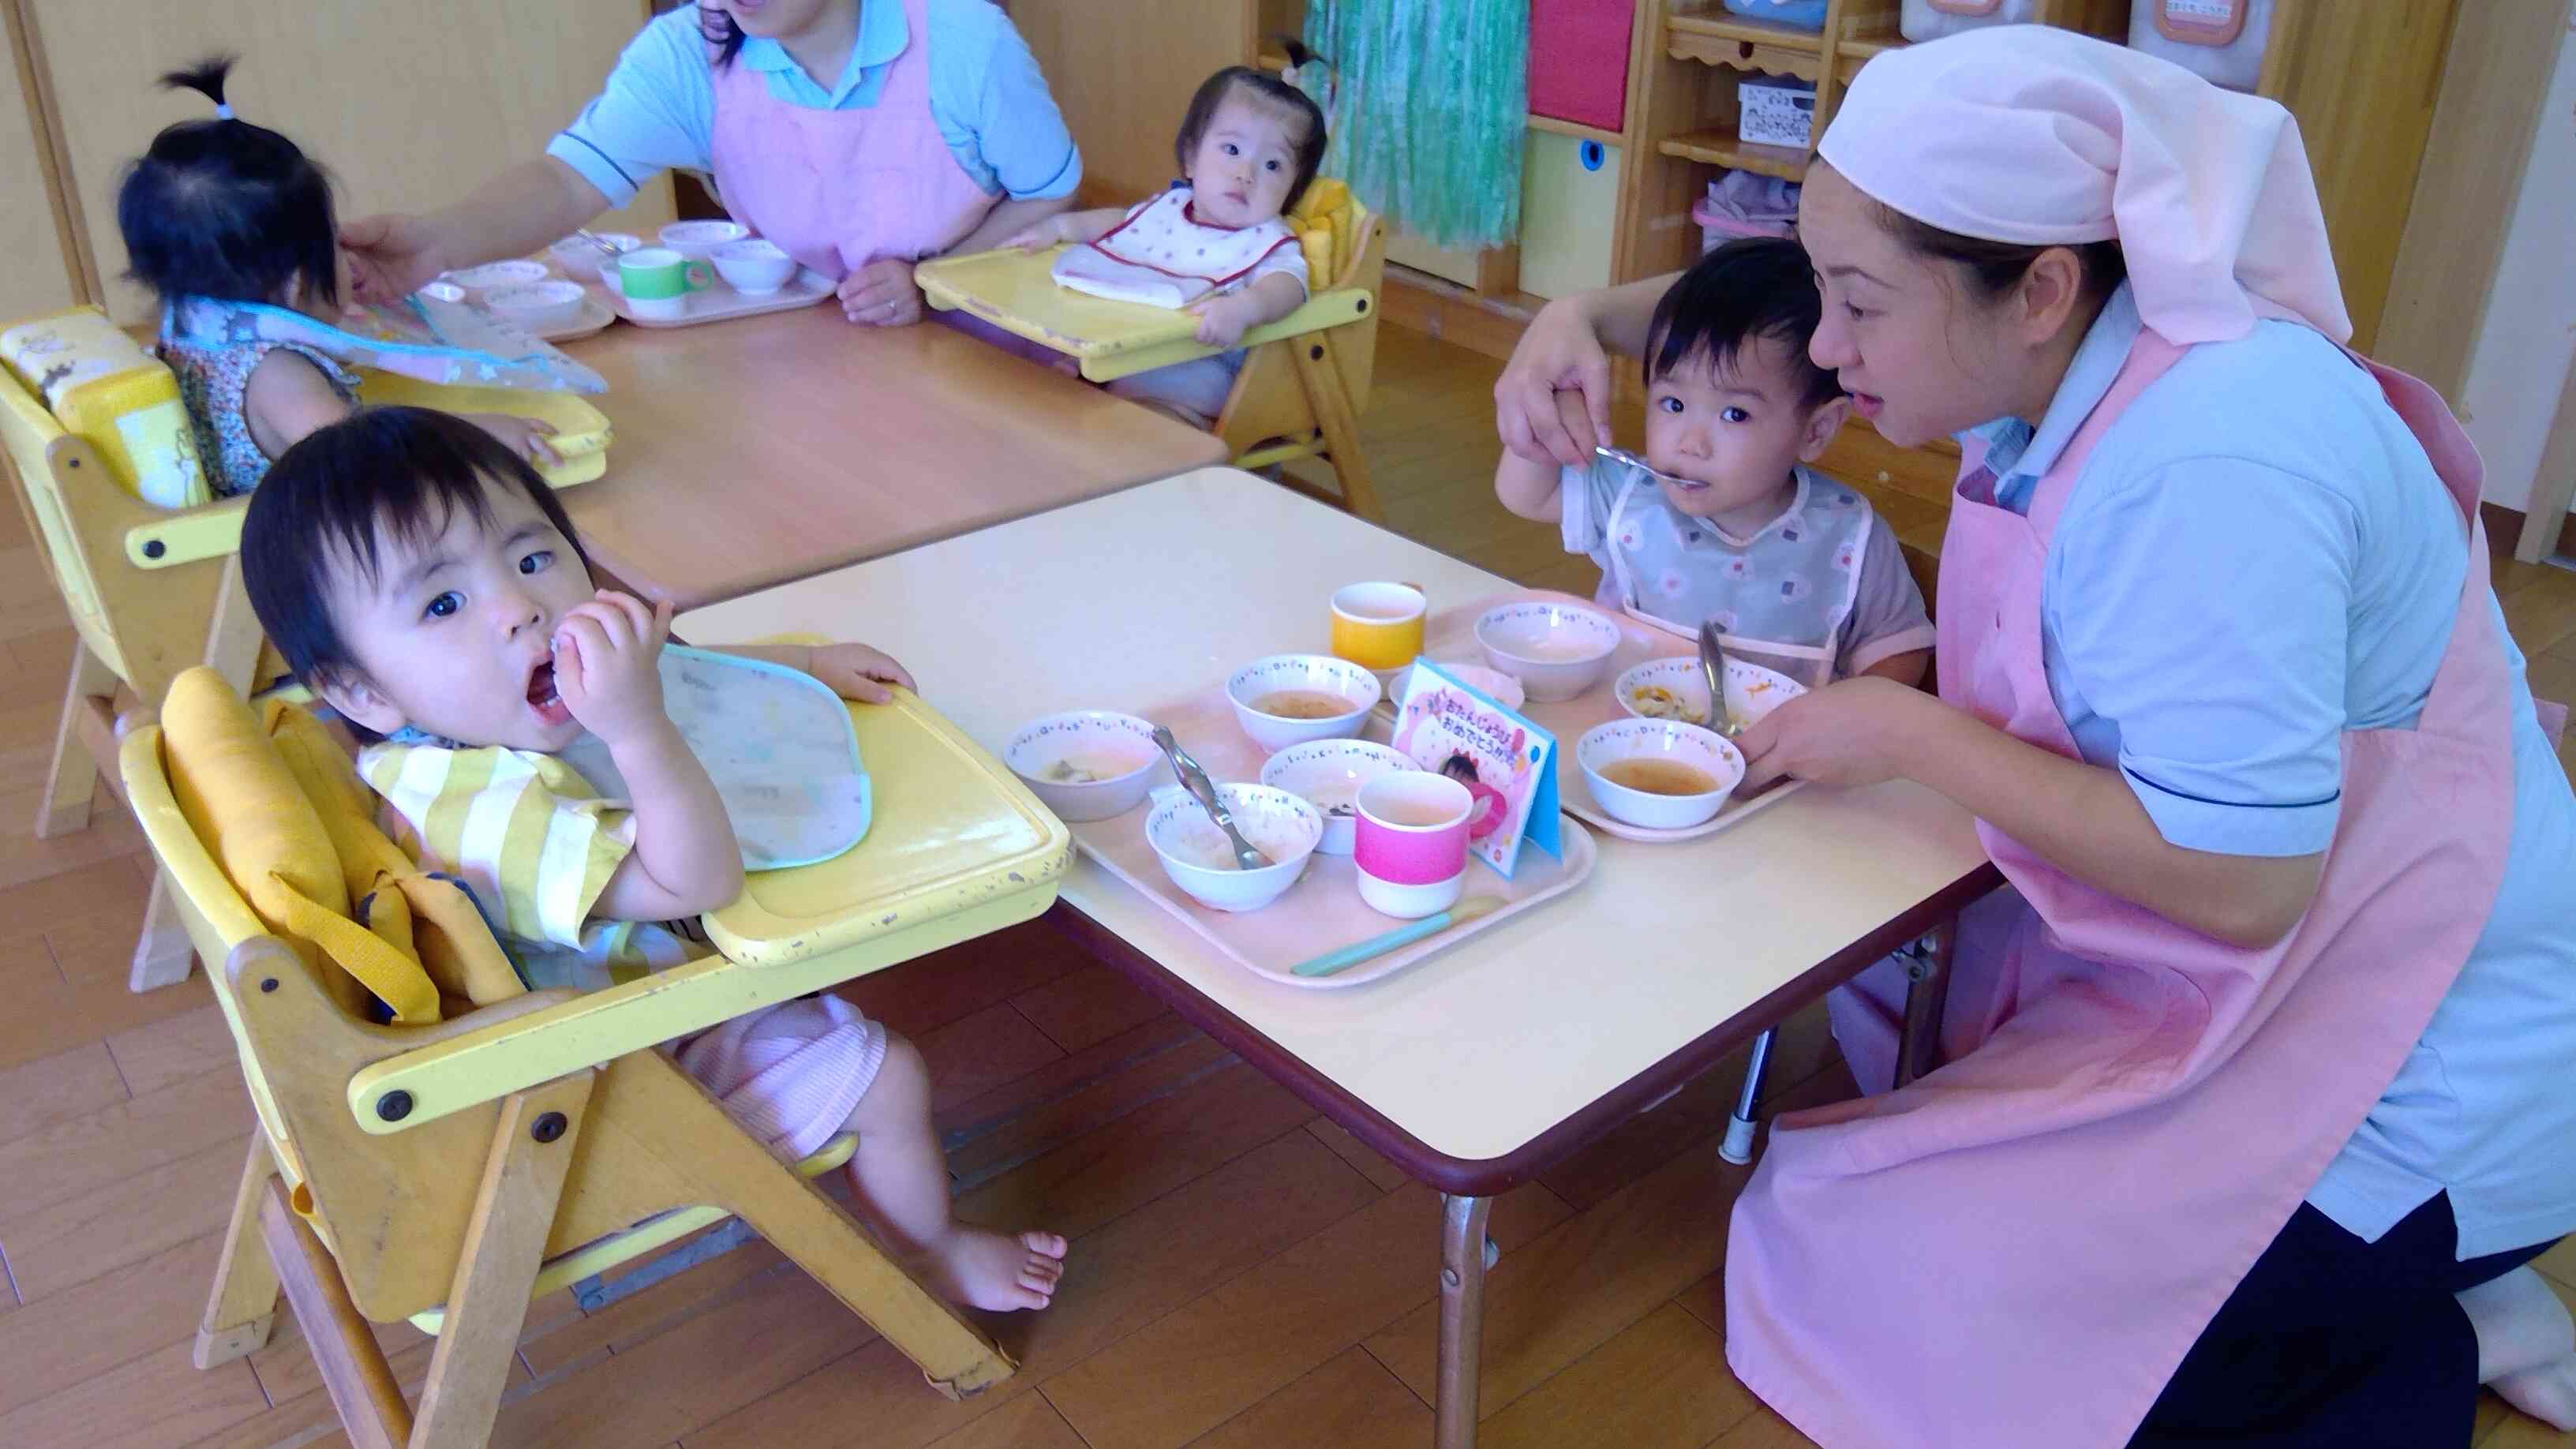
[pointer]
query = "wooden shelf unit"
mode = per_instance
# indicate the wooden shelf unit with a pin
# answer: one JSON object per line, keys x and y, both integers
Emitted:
{"x": 2362, "y": 80}
{"x": 1724, "y": 148}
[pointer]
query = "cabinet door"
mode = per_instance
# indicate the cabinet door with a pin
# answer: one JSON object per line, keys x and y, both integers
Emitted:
{"x": 34, "y": 277}
{"x": 1578, "y": 67}
{"x": 408, "y": 106}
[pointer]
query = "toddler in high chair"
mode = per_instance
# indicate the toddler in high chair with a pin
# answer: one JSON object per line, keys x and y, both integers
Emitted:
{"x": 221, "y": 212}
{"x": 1215, "y": 242}
{"x": 421, "y": 579}
{"x": 1797, "y": 571}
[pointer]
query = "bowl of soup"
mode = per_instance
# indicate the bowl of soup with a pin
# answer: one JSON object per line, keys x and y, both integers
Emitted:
{"x": 511, "y": 273}
{"x": 1288, "y": 699}
{"x": 1658, "y": 774}
{"x": 1200, "y": 860}
{"x": 1328, "y": 775}
{"x": 1089, "y": 764}
{"x": 1556, "y": 651}
{"x": 536, "y": 305}
{"x": 698, "y": 240}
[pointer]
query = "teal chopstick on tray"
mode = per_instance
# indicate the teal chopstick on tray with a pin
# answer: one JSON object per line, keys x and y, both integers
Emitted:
{"x": 1376, "y": 946}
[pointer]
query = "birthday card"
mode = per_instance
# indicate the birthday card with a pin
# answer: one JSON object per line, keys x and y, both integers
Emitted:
{"x": 1508, "y": 763}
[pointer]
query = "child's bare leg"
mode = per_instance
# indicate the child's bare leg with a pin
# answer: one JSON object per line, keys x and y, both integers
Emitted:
{"x": 1127, "y": 388}
{"x": 900, "y": 1182}
{"x": 2526, "y": 1345}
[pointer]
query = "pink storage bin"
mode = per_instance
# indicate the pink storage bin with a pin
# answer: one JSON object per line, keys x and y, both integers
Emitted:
{"x": 1741, "y": 204}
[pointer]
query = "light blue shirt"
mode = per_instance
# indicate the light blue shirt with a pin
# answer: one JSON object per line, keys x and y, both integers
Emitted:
{"x": 658, "y": 110}
{"x": 2259, "y": 558}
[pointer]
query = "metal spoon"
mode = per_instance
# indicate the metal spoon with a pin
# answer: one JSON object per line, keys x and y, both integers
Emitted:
{"x": 1203, "y": 790}
{"x": 1622, "y": 455}
{"x": 594, "y": 239}
{"x": 1712, "y": 665}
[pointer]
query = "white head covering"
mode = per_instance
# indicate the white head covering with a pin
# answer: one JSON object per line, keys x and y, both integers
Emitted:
{"x": 2039, "y": 136}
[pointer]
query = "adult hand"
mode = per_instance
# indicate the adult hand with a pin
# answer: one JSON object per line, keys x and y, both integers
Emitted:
{"x": 1857, "y": 732}
{"x": 1557, "y": 353}
{"x": 391, "y": 256}
{"x": 882, "y": 294}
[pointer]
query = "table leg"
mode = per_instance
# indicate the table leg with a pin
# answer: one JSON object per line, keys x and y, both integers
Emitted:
{"x": 1463, "y": 1256}
{"x": 1738, "y": 1147}
{"x": 1927, "y": 993}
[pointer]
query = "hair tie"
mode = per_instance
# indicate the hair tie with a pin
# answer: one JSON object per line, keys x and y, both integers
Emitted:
{"x": 223, "y": 111}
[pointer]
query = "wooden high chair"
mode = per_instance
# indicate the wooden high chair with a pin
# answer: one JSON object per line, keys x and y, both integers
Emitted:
{"x": 154, "y": 591}
{"x": 1302, "y": 386}
{"x": 450, "y": 1171}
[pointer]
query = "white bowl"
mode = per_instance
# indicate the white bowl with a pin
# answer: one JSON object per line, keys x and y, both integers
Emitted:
{"x": 498, "y": 274}
{"x": 1751, "y": 690}
{"x": 536, "y": 305}
{"x": 580, "y": 259}
{"x": 1328, "y": 774}
{"x": 442, "y": 292}
{"x": 1657, "y": 739}
{"x": 1198, "y": 858}
{"x": 1556, "y": 651}
{"x": 698, "y": 240}
{"x": 1115, "y": 751}
{"x": 754, "y": 267}
{"x": 1506, "y": 690}
{"x": 1319, "y": 673}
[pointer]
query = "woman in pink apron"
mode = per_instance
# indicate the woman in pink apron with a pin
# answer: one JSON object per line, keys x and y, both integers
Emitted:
{"x": 2257, "y": 1100}
{"x": 860, "y": 135}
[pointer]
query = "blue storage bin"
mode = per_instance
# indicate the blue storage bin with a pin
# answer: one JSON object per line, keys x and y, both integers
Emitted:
{"x": 1804, "y": 14}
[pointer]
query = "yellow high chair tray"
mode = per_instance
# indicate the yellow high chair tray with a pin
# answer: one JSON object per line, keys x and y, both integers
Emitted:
{"x": 957, "y": 848}
{"x": 581, "y": 439}
{"x": 1017, "y": 292}
{"x": 953, "y": 832}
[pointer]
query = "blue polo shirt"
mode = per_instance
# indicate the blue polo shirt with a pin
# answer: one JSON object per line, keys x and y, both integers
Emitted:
{"x": 658, "y": 110}
{"x": 2259, "y": 558}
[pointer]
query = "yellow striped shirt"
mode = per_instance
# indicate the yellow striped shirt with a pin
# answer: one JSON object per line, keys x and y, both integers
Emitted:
{"x": 532, "y": 840}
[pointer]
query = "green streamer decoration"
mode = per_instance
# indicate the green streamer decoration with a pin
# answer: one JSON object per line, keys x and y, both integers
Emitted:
{"x": 1429, "y": 101}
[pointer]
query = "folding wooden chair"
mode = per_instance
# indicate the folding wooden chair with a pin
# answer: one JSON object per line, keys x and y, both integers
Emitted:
{"x": 1302, "y": 386}
{"x": 447, "y": 1172}
{"x": 153, "y": 591}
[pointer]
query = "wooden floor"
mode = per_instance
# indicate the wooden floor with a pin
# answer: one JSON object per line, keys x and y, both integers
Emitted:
{"x": 1242, "y": 1274}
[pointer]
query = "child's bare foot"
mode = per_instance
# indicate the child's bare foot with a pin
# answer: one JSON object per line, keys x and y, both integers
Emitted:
{"x": 985, "y": 1269}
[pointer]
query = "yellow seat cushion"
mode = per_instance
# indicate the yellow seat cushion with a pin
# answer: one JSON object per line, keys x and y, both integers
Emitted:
{"x": 106, "y": 389}
{"x": 1326, "y": 220}
{"x": 286, "y": 818}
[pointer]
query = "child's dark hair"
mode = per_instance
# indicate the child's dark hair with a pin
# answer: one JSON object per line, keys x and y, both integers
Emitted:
{"x": 406, "y": 471}
{"x": 1746, "y": 289}
{"x": 222, "y": 208}
{"x": 1270, "y": 89}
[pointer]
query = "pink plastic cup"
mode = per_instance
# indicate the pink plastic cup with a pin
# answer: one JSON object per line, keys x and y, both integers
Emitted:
{"x": 1410, "y": 842}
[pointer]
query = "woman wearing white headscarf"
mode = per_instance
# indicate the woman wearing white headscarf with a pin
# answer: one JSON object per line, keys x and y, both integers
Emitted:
{"x": 2258, "y": 1098}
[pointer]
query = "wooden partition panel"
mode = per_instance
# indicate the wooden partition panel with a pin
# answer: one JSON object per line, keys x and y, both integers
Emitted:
{"x": 408, "y": 105}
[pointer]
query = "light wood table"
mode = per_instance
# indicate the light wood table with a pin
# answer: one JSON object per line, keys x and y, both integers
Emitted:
{"x": 766, "y": 449}
{"x": 1478, "y": 1068}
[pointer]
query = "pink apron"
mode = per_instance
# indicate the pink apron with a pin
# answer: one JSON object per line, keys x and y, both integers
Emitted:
{"x": 839, "y": 189}
{"x": 2018, "y": 1249}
